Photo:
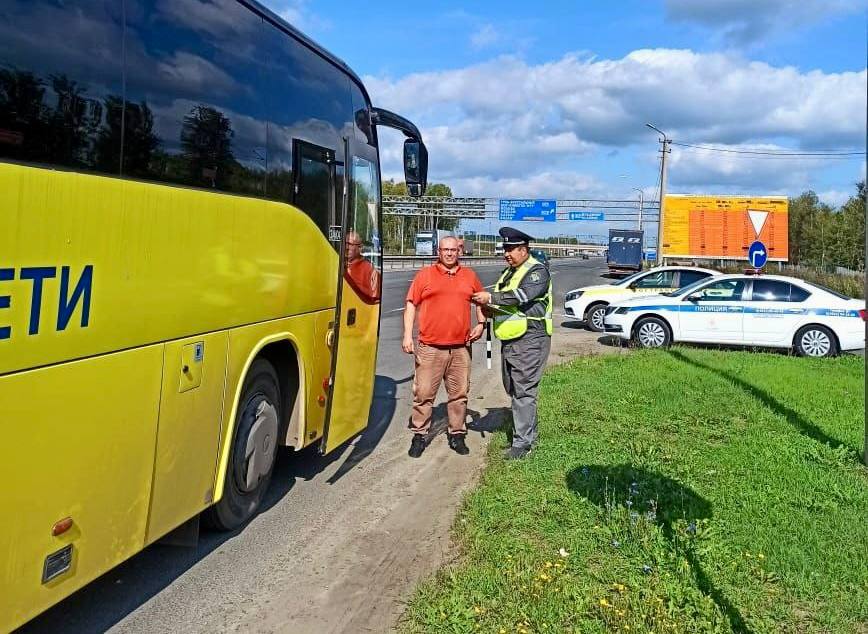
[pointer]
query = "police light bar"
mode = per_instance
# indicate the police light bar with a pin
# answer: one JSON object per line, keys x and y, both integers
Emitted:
{"x": 753, "y": 271}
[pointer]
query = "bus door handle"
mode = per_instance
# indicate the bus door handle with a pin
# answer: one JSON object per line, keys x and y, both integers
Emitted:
{"x": 351, "y": 316}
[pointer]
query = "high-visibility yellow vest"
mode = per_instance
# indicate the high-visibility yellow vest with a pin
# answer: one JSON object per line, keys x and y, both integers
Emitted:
{"x": 509, "y": 321}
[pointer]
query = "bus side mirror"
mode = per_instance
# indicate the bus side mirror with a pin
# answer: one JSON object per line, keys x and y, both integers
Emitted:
{"x": 415, "y": 167}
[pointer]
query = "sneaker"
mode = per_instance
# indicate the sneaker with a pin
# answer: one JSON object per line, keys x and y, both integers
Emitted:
{"x": 515, "y": 453}
{"x": 417, "y": 446}
{"x": 457, "y": 444}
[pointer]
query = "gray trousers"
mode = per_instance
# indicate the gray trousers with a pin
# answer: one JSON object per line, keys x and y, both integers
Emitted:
{"x": 522, "y": 363}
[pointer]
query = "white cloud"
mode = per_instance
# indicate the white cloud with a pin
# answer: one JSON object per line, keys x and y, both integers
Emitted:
{"x": 484, "y": 37}
{"x": 195, "y": 73}
{"x": 747, "y": 21}
{"x": 299, "y": 15}
{"x": 696, "y": 168}
{"x": 216, "y": 17}
{"x": 835, "y": 198}
{"x": 509, "y": 119}
{"x": 560, "y": 184}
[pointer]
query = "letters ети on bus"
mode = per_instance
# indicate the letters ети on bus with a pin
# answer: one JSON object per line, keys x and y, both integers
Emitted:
{"x": 182, "y": 202}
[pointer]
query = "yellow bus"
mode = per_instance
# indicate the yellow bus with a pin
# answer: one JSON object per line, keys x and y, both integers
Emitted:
{"x": 189, "y": 273}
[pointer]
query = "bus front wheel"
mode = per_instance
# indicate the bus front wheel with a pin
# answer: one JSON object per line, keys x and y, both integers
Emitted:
{"x": 253, "y": 451}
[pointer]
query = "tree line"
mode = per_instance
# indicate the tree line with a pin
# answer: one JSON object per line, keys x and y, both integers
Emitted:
{"x": 397, "y": 227}
{"x": 823, "y": 236}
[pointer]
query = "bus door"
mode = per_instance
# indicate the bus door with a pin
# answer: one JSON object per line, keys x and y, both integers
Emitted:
{"x": 358, "y": 313}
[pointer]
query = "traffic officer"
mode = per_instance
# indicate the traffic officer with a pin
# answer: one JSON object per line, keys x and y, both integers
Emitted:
{"x": 521, "y": 306}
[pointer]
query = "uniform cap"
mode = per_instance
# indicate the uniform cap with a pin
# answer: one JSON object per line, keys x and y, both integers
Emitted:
{"x": 513, "y": 237}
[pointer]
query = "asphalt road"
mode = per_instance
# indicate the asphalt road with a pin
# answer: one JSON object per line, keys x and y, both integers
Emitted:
{"x": 342, "y": 539}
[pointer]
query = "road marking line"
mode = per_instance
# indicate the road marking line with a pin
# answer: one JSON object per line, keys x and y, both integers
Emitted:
{"x": 396, "y": 310}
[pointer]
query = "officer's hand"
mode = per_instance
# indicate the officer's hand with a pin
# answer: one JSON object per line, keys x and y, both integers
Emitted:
{"x": 407, "y": 345}
{"x": 475, "y": 333}
{"x": 482, "y": 298}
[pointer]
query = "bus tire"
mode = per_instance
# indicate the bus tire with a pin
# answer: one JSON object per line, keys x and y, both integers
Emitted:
{"x": 253, "y": 451}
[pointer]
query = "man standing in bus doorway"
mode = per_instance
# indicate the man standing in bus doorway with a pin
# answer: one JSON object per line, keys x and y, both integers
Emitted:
{"x": 441, "y": 293}
{"x": 360, "y": 273}
{"x": 522, "y": 310}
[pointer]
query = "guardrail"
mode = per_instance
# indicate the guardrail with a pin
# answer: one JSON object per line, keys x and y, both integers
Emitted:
{"x": 418, "y": 261}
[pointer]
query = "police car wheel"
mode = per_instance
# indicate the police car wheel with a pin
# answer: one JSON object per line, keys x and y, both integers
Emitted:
{"x": 594, "y": 317}
{"x": 816, "y": 341}
{"x": 253, "y": 451}
{"x": 651, "y": 332}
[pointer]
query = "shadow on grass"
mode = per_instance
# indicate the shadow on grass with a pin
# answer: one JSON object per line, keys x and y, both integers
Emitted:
{"x": 614, "y": 489}
{"x": 496, "y": 418}
{"x": 792, "y": 417}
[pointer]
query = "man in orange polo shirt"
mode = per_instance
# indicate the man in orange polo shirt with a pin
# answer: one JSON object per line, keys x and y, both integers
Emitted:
{"x": 360, "y": 273}
{"x": 441, "y": 293}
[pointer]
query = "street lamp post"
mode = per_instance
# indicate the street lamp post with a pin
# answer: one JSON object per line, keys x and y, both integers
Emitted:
{"x": 665, "y": 141}
{"x": 641, "y": 204}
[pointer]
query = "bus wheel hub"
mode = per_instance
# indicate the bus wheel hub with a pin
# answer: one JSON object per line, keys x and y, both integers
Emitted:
{"x": 259, "y": 451}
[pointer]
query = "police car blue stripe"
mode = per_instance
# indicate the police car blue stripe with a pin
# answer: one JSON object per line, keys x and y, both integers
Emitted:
{"x": 691, "y": 308}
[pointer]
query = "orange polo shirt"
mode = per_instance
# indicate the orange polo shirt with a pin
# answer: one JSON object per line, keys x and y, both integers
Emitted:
{"x": 442, "y": 297}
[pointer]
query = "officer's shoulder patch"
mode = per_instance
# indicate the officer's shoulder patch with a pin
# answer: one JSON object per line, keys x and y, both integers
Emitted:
{"x": 534, "y": 277}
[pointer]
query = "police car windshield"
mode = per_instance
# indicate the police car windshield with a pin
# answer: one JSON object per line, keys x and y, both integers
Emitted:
{"x": 626, "y": 280}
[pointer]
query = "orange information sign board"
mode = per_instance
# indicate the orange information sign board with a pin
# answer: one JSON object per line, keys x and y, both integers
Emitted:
{"x": 723, "y": 227}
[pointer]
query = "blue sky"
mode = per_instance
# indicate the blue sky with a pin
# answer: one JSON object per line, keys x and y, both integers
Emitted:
{"x": 549, "y": 99}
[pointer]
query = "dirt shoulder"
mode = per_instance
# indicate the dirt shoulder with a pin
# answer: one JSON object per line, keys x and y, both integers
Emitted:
{"x": 400, "y": 533}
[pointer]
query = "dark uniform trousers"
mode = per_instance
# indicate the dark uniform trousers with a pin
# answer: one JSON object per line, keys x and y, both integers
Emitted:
{"x": 522, "y": 363}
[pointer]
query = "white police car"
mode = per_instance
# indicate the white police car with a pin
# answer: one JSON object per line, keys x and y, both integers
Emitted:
{"x": 768, "y": 311}
{"x": 589, "y": 303}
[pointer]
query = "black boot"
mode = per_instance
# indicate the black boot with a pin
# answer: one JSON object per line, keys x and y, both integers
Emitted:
{"x": 417, "y": 446}
{"x": 457, "y": 444}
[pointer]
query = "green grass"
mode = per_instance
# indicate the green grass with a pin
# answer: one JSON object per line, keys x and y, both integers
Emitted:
{"x": 691, "y": 490}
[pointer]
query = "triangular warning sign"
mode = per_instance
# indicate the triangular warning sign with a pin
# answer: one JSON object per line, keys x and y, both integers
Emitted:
{"x": 758, "y": 220}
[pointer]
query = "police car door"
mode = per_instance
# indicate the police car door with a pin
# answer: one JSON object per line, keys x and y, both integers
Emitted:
{"x": 355, "y": 346}
{"x": 774, "y": 311}
{"x": 714, "y": 313}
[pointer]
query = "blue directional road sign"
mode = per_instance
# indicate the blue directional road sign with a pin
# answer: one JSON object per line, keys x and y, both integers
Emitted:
{"x": 535, "y": 210}
{"x": 757, "y": 254}
{"x": 588, "y": 216}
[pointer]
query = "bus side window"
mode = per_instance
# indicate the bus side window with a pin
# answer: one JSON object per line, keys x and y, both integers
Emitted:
{"x": 61, "y": 94}
{"x": 363, "y": 232}
{"x": 314, "y": 183}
